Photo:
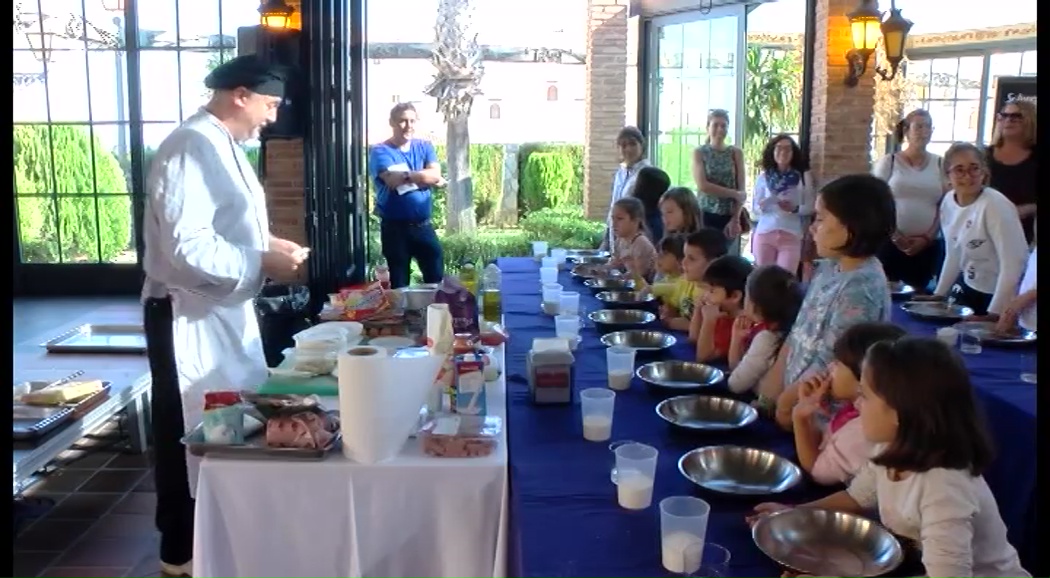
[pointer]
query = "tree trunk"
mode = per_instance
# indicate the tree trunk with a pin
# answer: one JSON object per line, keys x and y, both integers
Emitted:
{"x": 459, "y": 217}
{"x": 508, "y": 209}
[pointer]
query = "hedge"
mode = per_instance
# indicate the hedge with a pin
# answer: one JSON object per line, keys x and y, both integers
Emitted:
{"x": 70, "y": 191}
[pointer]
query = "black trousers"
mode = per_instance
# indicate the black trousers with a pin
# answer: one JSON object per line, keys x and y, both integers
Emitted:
{"x": 916, "y": 270}
{"x": 716, "y": 221}
{"x": 406, "y": 240}
{"x": 970, "y": 297}
{"x": 174, "y": 504}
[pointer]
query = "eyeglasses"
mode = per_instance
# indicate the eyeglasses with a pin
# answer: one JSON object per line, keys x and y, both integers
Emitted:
{"x": 961, "y": 171}
{"x": 1010, "y": 116}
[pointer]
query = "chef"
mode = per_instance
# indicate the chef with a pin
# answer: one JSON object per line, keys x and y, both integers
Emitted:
{"x": 208, "y": 250}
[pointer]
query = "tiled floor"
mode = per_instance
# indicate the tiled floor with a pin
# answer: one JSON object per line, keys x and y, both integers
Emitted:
{"x": 102, "y": 523}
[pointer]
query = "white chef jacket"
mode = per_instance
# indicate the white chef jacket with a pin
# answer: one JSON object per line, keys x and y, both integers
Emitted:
{"x": 205, "y": 230}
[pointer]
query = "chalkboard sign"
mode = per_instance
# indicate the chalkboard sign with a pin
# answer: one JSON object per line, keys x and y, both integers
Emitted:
{"x": 1009, "y": 88}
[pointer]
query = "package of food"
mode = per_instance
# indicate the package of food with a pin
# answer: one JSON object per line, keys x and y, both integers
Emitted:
{"x": 303, "y": 430}
{"x": 461, "y": 304}
{"x": 313, "y": 361}
{"x": 334, "y": 336}
{"x": 493, "y": 334}
{"x": 68, "y": 392}
{"x": 363, "y": 301}
{"x": 461, "y": 436}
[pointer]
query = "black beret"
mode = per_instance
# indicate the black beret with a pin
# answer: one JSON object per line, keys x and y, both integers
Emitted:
{"x": 248, "y": 71}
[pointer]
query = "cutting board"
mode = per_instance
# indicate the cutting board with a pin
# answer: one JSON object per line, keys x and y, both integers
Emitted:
{"x": 322, "y": 385}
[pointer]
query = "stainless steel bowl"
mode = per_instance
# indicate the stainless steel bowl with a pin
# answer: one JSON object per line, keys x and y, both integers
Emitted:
{"x": 987, "y": 333}
{"x": 608, "y": 319}
{"x": 640, "y": 339}
{"x": 594, "y": 260}
{"x": 418, "y": 297}
{"x": 703, "y": 412}
{"x": 681, "y": 375}
{"x": 936, "y": 310}
{"x": 739, "y": 470}
{"x": 587, "y": 255}
{"x": 593, "y": 271}
{"x": 825, "y": 543}
{"x": 624, "y": 298}
{"x": 900, "y": 291}
{"x": 598, "y": 285}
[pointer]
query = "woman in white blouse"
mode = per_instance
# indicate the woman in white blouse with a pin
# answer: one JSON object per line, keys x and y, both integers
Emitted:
{"x": 918, "y": 182}
{"x": 631, "y": 144}
{"x": 783, "y": 196}
{"x": 984, "y": 242}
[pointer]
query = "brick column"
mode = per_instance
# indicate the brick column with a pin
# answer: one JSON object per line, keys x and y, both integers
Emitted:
{"x": 840, "y": 126}
{"x": 605, "y": 105}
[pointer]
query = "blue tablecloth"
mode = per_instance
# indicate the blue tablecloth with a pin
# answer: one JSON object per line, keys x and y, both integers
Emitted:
{"x": 563, "y": 504}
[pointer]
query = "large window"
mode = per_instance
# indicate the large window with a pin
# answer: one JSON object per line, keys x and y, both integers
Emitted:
{"x": 959, "y": 92}
{"x": 86, "y": 94}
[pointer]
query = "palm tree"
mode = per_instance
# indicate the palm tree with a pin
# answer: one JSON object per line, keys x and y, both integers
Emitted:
{"x": 457, "y": 58}
{"x": 772, "y": 99}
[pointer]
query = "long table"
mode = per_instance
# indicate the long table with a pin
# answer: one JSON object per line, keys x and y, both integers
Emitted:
{"x": 563, "y": 504}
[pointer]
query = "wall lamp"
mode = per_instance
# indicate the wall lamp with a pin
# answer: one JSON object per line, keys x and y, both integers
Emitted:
{"x": 866, "y": 26}
{"x": 275, "y": 14}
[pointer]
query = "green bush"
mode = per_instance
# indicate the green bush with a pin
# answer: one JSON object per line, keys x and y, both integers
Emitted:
{"x": 563, "y": 227}
{"x": 547, "y": 181}
{"x": 83, "y": 237}
{"x": 572, "y": 152}
{"x": 486, "y": 169}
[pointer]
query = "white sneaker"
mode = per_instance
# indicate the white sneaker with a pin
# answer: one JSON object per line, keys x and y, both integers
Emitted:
{"x": 177, "y": 569}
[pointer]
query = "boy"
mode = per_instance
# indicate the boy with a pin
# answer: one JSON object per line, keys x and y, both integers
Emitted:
{"x": 669, "y": 262}
{"x": 679, "y": 298}
{"x": 723, "y": 285}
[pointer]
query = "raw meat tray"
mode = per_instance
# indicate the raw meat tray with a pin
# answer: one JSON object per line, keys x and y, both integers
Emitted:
{"x": 255, "y": 448}
{"x": 100, "y": 338}
{"x": 31, "y": 422}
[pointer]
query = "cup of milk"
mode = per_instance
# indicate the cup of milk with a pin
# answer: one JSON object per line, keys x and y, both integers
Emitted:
{"x": 620, "y": 361}
{"x": 683, "y": 528}
{"x": 634, "y": 475}
{"x": 596, "y": 406}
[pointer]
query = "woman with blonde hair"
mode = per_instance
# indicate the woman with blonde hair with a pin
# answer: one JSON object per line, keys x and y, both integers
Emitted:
{"x": 1012, "y": 158}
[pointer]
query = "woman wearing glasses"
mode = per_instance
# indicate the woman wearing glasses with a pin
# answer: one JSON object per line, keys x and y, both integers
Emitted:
{"x": 984, "y": 242}
{"x": 1011, "y": 158}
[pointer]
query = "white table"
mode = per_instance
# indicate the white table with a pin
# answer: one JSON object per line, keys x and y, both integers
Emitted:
{"x": 415, "y": 515}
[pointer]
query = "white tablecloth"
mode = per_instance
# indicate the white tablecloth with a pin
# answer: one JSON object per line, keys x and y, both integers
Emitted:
{"x": 413, "y": 516}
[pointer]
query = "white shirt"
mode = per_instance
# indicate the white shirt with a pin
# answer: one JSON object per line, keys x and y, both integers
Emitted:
{"x": 1027, "y": 317}
{"x": 985, "y": 242}
{"x": 623, "y": 184}
{"x": 755, "y": 363}
{"x": 771, "y": 217}
{"x": 916, "y": 191}
{"x": 950, "y": 514}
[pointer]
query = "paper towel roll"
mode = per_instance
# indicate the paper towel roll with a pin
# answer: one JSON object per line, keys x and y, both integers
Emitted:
{"x": 379, "y": 401}
{"x": 366, "y": 351}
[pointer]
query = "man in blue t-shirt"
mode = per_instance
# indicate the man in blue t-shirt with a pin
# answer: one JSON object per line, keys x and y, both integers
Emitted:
{"x": 404, "y": 170}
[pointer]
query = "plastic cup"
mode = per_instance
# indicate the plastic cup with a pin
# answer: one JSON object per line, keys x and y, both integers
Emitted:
{"x": 612, "y": 449}
{"x": 567, "y": 326}
{"x": 569, "y": 303}
{"x": 620, "y": 361}
{"x": 596, "y": 407}
{"x": 949, "y": 336}
{"x": 714, "y": 561}
{"x": 559, "y": 255}
{"x": 539, "y": 248}
{"x": 634, "y": 475}
{"x": 683, "y": 529}
{"x": 552, "y": 293}
{"x": 969, "y": 342}
{"x": 549, "y": 262}
{"x": 548, "y": 274}
{"x": 1028, "y": 366}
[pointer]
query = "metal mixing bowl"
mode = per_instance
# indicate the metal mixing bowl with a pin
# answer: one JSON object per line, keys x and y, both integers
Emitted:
{"x": 739, "y": 470}
{"x": 418, "y": 297}
{"x": 624, "y": 298}
{"x": 988, "y": 333}
{"x": 587, "y": 256}
{"x": 825, "y": 543}
{"x": 607, "y": 320}
{"x": 936, "y": 310}
{"x": 640, "y": 339}
{"x": 593, "y": 271}
{"x": 682, "y": 375}
{"x": 598, "y": 285}
{"x": 703, "y": 412}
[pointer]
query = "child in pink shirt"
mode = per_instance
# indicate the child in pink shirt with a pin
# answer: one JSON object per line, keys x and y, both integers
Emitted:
{"x": 837, "y": 454}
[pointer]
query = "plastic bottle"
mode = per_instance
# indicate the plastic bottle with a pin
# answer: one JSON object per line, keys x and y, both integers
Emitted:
{"x": 491, "y": 298}
{"x": 468, "y": 277}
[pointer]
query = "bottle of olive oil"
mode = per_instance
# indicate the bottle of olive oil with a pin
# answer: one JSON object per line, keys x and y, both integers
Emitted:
{"x": 468, "y": 277}
{"x": 491, "y": 298}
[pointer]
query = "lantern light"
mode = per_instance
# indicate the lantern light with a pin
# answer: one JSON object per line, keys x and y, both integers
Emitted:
{"x": 275, "y": 14}
{"x": 866, "y": 27}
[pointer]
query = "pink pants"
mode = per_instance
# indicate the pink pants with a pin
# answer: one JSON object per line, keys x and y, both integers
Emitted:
{"x": 777, "y": 248}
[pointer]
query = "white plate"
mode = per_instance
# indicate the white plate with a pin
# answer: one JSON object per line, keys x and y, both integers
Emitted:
{"x": 392, "y": 342}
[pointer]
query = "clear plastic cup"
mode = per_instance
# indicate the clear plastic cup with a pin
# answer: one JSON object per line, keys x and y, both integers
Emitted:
{"x": 548, "y": 274}
{"x": 569, "y": 303}
{"x": 552, "y": 293}
{"x": 714, "y": 561}
{"x": 949, "y": 336}
{"x": 539, "y": 248}
{"x": 683, "y": 530}
{"x": 1028, "y": 366}
{"x": 559, "y": 255}
{"x": 635, "y": 475}
{"x": 620, "y": 362}
{"x": 567, "y": 326}
{"x": 612, "y": 449}
{"x": 596, "y": 407}
{"x": 970, "y": 342}
{"x": 549, "y": 262}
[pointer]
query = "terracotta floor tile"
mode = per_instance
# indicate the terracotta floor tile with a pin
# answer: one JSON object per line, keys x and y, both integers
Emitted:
{"x": 81, "y": 506}
{"x": 52, "y": 535}
{"x": 107, "y": 552}
{"x": 116, "y": 481}
{"x": 137, "y": 503}
{"x": 124, "y": 526}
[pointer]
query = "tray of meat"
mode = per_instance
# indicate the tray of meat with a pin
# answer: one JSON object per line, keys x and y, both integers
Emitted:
{"x": 461, "y": 436}
{"x": 307, "y": 435}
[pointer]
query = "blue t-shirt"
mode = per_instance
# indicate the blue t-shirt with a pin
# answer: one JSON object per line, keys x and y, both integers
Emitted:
{"x": 412, "y": 206}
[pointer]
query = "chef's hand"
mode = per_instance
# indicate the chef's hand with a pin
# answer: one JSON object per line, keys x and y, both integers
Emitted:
{"x": 284, "y": 245}
{"x": 281, "y": 266}
{"x": 765, "y": 509}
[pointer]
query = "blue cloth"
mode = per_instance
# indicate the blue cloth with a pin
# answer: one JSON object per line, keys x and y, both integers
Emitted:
{"x": 563, "y": 505}
{"x": 414, "y": 206}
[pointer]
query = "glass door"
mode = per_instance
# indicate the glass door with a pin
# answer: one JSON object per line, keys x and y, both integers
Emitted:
{"x": 695, "y": 64}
